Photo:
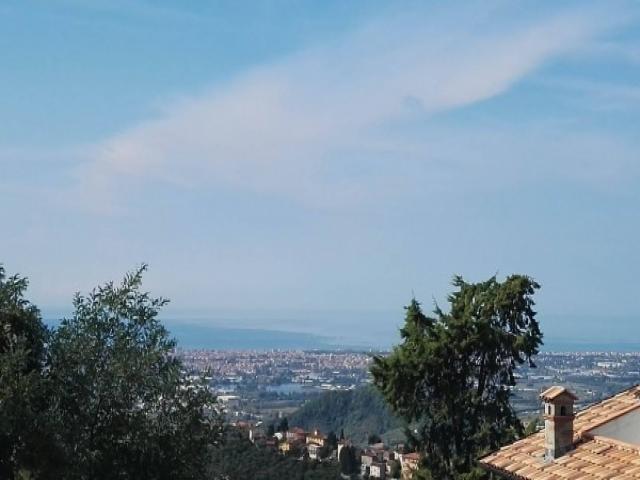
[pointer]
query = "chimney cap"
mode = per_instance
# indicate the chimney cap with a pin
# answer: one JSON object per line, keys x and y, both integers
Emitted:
{"x": 555, "y": 392}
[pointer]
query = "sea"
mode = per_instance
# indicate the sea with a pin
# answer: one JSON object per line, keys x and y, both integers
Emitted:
{"x": 224, "y": 338}
{"x": 200, "y": 334}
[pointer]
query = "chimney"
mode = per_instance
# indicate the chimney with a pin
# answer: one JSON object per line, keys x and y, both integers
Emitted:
{"x": 558, "y": 421}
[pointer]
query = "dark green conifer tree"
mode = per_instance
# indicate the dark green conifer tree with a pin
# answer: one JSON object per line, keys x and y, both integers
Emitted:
{"x": 332, "y": 440}
{"x": 347, "y": 459}
{"x": 374, "y": 438}
{"x": 283, "y": 426}
{"x": 451, "y": 374}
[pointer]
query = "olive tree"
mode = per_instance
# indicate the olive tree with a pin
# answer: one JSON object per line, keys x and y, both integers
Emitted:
{"x": 124, "y": 406}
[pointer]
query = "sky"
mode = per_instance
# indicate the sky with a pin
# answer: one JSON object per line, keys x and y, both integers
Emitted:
{"x": 311, "y": 166}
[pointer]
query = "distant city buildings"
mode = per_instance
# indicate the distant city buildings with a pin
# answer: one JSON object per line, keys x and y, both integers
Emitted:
{"x": 240, "y": 377}
{"x": 327, "y": 370}
{"x": 255, "y": 387}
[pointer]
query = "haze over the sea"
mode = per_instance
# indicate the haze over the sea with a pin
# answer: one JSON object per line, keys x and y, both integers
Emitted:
{"x": 332, "y": 331}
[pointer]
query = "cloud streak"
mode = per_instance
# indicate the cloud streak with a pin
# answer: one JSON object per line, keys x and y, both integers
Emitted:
{"x": 285, "y": 128}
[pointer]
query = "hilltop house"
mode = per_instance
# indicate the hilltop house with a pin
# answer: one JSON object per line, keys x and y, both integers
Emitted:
{"x": 296, "y": 434}
{"x": 409, "y": 463}
{"x": 366, "y": 460}
{"x": 316, "y": 438}
{"x": 314, "y": 451}
{"x": 378, "y": 470}
{"x": 599, "y": 442}
{"x": 284, "y": 447}
{"x": 315, "y": 442}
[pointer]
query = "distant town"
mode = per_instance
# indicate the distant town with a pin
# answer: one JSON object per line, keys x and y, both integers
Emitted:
{"x": 257, "y": 385}
{"x": 258, "y": 390}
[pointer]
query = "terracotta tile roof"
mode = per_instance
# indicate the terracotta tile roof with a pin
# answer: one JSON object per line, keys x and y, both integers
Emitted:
{"x": 412, "y": 456}
{"x": 594, "y": 457}
{"x": 555, "y": 392}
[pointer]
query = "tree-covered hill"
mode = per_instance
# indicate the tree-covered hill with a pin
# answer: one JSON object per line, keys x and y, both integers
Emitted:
{"x": 361, "y": 412}
{"x": 239, "y": 459}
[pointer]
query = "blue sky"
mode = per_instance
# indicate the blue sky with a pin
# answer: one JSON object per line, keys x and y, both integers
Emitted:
{"x": 311, "y": 165}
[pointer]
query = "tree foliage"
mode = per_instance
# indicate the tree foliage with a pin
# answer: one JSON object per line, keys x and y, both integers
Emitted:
{"x": 395, "y": 469}
{"x": 283, "y": 426}
{"x": 123, "y": 403}
{"x": 451, "y": 374}
{"x": 239, "y": 459}
{"x": 532, "y": 426}
{"x": 24, "y": 434}
{"x": 332, "y": 440}
{"x": 348, "y": 460}
{"x": 355, "y": 413}
{"x": 100, "y": 397}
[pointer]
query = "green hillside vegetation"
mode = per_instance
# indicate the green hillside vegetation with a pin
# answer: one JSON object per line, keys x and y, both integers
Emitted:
{"x": 360, "y": 413}
{"x": 239, "y": 459}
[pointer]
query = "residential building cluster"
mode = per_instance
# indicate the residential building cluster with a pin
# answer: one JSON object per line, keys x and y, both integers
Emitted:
{"x": 321, "y": 369}
{"x": 377, "y": 460}
{"x": 239, "y": 376}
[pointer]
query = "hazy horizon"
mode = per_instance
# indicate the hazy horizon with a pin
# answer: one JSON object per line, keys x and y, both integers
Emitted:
{"x": 321, "y": 330}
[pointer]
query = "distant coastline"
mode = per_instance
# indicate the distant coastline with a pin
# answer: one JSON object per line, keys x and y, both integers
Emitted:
{"x": 577, "y": 346}
{"x": 198, "y": 335}
{"x": 226, "y": 338}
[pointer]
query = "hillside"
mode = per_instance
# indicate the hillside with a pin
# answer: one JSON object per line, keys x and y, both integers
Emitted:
{"x": 239, "y": 459}
{"x": 359, "y": 412}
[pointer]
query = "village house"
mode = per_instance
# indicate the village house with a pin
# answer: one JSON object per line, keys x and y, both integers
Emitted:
{"x": 378, "y": 470}
{"x": 285, "y": 447}
{"x": 599, "y": 442}
{"x": 388, "y": 455}
{"x": 366, "y": 460}
{"x": 409, "y": 463}
{"x": 316, "y": 438}
{"x": 314, "y": 451}
{"x": 296, "y": 434}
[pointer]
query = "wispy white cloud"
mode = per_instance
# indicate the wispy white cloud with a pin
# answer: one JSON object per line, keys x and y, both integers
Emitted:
{"x": 283, "y": 128}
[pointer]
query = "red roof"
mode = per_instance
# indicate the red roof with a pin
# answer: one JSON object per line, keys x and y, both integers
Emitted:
{"x": 593, "y": 457}
{"x": 412, "y": 456}
{"x": 555, "y": 392}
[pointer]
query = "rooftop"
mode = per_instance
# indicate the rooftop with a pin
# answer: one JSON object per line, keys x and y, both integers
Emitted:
{"x": 605, "y": 446}
{"x": 555, "y": 392}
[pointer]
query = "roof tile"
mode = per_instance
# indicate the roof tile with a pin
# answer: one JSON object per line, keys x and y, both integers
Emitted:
{"x": 592, "y": 458}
